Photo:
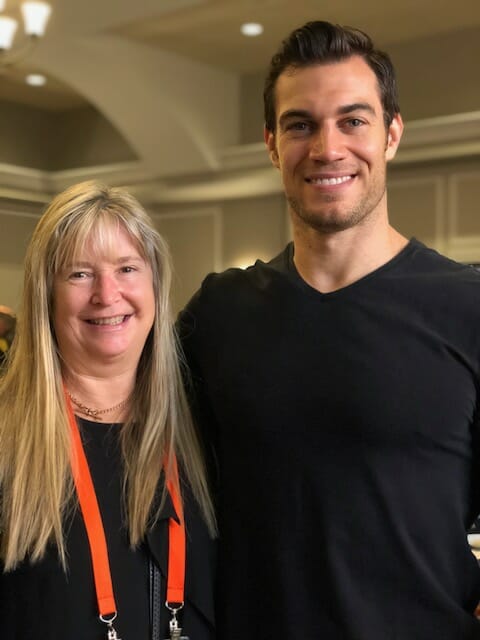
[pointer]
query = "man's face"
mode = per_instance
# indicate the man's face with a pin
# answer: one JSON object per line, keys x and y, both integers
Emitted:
{"x": 331, "y": 144}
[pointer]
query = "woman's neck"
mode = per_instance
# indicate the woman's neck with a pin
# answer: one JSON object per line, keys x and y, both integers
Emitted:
{"x": 102, "y": 399}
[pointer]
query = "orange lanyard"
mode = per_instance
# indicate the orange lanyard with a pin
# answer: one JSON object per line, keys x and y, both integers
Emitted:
{"x": 98, "y": 544}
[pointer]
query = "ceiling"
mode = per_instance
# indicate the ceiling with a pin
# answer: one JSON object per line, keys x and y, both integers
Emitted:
{"x": 150, "y": 93}
{"x": 208, "y": 31}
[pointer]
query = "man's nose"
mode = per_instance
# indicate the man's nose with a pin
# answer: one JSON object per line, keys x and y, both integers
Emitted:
{"x": 327, "y": 145}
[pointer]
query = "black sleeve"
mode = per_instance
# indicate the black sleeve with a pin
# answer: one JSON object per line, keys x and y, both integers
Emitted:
{"x": 474, "y": 516}
{"x": 194, "y": 348}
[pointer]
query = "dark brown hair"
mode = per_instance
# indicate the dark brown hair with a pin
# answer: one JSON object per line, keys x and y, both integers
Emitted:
{"x": 321, "y": 42}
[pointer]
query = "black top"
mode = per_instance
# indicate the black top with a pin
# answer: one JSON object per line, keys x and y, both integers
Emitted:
{"x": 41, "y": 601}
{"x": 344, "y": 426}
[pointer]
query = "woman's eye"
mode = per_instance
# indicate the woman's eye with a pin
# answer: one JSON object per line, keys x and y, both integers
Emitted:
{"x": 78, "y": 275}
{"x": 128, "y": 269}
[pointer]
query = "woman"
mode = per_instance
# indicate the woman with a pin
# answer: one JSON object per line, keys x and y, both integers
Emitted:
{"x": 93, "y": 427}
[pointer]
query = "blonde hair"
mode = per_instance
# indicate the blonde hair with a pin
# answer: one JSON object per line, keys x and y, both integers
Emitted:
{"x": 36, "y": 484}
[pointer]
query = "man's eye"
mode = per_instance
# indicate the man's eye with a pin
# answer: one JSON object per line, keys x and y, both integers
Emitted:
{"x": 355, "y": 122}
{"x": 298, "y": 126}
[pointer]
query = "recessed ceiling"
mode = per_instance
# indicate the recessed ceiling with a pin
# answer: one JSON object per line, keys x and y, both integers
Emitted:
{"x": 208, "y": 31}
{"x": 53, "y": 96}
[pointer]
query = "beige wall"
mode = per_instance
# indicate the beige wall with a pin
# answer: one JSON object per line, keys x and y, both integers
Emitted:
{"x": 440, "y": 75}
{"x": 213, "y": 238}
{"x": 435, "y": 202}
{"x": 16, "y": 230}
{"x": 438, "y": 203}
{"x": 11, "y": 282}
{"x": 254, "y": 228}
{"x": 84, "y": 138}
{"x": 52, "y": 141}
{"x": 251, "y": 115}
{"x": 194, "y": 239}
{"x": 26, "y": 136}
{"x": 436, "y": 76}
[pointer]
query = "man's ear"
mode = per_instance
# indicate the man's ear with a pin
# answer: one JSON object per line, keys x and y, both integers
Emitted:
{"x": 394, "y": 135}
{"x": 269, "y": 138}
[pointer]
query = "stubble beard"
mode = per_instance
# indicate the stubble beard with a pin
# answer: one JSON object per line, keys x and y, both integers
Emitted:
{"x": 332, "y": 217}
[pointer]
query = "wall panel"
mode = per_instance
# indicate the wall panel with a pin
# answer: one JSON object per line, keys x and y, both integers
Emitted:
{"x": 416, "y": 208}
{"x": 194, "y": 239}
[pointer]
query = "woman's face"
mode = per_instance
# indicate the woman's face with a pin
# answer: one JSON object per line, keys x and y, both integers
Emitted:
{"x": 104, "y": 306}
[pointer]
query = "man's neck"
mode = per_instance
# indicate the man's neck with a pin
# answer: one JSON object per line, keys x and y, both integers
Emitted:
{"x": 332, "y": 261}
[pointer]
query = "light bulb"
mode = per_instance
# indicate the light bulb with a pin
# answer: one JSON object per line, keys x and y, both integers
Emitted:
{"x": 35, "y": 79}
{"x": 251, "y": 29}
{"x": 35, "y": 16}
{"x": 8, "y": 26}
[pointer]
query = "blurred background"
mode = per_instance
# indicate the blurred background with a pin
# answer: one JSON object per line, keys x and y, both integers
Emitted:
{"x": 165, "y": 97}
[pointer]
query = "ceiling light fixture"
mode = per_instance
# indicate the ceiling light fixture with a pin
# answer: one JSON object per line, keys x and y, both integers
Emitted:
{"x": 251, "y": 29}
{"x": 35, "y": 16}
{"x": 35, "y": 79}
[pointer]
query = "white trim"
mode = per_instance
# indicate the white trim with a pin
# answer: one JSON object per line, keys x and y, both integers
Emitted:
{"x": 22, "y": 183}
{"x": 442, "y": 137}
{"x": 452, "y": 128}
{"x": 245, "y": 170}
{"x": 450, "y": 136}
{"x": 244, "y": 156}
{"x": 248, "y": 183}
{"x": 15, "y": 213}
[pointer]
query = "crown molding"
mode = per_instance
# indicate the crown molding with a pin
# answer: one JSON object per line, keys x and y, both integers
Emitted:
{"x": 440, "y": 138}
{"x": 244, "y": 170}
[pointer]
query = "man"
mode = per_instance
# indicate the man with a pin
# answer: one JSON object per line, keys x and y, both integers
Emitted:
{"x": 338, "y": 384}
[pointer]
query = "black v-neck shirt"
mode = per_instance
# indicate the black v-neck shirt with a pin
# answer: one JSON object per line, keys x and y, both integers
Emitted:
{"x": 346, "y": 436}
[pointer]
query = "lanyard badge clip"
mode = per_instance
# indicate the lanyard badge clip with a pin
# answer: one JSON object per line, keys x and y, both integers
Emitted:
{"x": 175, "y": 629}
{"x": 111, "y": 633}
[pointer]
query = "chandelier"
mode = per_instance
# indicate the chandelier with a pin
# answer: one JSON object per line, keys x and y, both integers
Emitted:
{"x": 35, "y": 16}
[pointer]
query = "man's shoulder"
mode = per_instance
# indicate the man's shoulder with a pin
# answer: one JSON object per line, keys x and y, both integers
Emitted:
{"x": 231, "y": 284}
{"x": 439, "y": 283}
{"x": 428, "y": 261}
{"x": 231, "y": 297}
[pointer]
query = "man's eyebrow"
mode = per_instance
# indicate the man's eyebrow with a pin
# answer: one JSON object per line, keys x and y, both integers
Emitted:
{"x": 356, "y": 106}
{"x": 343, "y": 110}
{"x": 293, "y": 113}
